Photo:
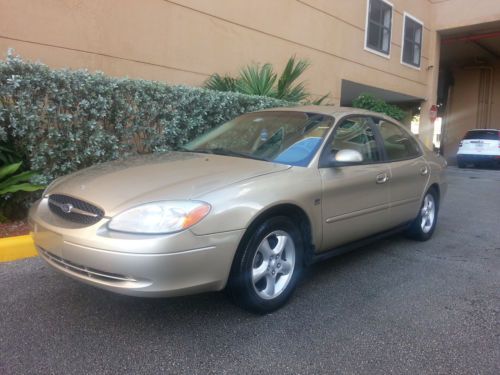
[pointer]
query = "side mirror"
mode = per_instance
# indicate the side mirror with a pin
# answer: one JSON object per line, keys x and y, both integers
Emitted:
{"x": 347, "y": 157}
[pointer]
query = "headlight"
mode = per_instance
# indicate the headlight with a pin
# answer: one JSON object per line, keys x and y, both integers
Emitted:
{"x": 160, "y": 217}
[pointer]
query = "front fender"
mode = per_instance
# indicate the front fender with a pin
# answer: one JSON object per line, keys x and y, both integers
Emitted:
{"x": 235, "y": 207}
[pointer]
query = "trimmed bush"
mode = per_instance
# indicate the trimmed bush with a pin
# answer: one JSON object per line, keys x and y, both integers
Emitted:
{"x": 371, "y": 103}
{"x": 60, "y": 121}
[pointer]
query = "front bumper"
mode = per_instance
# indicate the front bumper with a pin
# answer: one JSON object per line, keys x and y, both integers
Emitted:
{"x": 139, "y": 265}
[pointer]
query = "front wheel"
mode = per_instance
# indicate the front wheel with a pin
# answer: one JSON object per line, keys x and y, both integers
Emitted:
{"x": 423, "y": 226}
{"x": 267, "y": 266}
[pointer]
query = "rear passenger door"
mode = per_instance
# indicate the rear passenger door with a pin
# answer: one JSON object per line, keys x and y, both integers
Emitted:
{"x": 409, "y": 172}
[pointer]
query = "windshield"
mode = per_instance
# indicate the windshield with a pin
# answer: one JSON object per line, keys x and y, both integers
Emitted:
{"x": 282, "y": 137}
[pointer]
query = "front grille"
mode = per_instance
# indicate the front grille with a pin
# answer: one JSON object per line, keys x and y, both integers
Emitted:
{"x": 75, "y": 210}
{"x": 87, "y": 272}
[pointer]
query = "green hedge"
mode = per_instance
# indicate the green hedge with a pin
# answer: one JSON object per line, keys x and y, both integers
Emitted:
{"x": 60, "y": 121}
{"x": 372, "y": 103}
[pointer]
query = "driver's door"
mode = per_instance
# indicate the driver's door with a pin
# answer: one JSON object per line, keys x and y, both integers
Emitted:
{"x": 355, "y": 199}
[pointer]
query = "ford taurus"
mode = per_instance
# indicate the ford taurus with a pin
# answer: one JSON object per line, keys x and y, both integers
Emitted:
{"x": 244, "y": 207}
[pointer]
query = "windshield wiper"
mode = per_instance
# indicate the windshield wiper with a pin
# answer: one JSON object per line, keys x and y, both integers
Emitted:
{"x": 227, "y": 152}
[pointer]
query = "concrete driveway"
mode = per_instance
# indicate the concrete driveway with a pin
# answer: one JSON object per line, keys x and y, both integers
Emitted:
{"x": 397, "y": 306}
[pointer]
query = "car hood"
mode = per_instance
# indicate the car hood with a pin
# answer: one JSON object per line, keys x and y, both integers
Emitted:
{"x": 117, "y": 185}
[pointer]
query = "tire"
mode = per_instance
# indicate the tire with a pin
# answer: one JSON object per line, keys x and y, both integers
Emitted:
{"x": 424, "y": 225}
{"x": 461, "y": 164}
{"x": 258, "y": 282}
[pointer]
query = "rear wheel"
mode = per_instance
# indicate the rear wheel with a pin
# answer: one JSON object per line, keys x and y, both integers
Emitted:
{"x": 267, "y": 266}
{"x": 423, "y": 226}
{"x": 460, "y": 164}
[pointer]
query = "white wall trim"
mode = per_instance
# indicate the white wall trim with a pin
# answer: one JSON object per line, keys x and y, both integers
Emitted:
{"x": 366, "y": 48}
{"x": 405, "y": 15}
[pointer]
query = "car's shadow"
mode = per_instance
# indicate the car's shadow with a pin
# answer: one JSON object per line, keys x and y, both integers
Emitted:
{"x": 72, "y": 299}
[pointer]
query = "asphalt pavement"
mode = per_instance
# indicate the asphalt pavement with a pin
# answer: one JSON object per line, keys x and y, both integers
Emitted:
{"x": 394, "y": 307}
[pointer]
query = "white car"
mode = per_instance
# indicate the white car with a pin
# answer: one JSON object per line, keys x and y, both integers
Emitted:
{"x": 479, "y": 146}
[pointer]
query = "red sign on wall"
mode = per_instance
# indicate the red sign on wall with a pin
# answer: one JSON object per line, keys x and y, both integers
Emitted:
{"x": 433, "y": 113}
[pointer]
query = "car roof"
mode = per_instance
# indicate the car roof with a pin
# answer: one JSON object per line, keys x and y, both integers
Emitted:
{"x": 331, "y": 111}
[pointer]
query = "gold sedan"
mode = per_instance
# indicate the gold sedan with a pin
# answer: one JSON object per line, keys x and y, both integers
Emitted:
{"x": 244, "y": 207}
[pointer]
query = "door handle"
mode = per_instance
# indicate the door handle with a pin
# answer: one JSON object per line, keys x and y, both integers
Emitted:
{"x": 424, "y": 171}
{"x": 382, "y": 178}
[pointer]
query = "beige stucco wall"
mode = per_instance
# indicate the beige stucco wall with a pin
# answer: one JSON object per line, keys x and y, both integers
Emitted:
{"x": 449, "y": 14}
{"x": 184, "y": 41}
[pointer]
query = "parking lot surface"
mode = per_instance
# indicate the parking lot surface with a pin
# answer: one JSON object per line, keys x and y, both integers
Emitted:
{"x": 396, "y": 306}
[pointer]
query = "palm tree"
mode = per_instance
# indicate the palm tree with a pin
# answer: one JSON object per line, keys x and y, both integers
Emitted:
{"x": 285, "y": 89}
{"x": 255, "y": 79}
{"x": 220, "y": 83}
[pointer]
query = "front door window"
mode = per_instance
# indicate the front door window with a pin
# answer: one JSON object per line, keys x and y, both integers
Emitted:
{"x": 356, "y": 134}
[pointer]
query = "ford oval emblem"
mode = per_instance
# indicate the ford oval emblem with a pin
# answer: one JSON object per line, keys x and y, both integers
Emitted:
{"x": 67, "y": 208}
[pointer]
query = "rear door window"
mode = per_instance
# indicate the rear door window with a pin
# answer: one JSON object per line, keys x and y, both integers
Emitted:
{"x": 398, "y": 143}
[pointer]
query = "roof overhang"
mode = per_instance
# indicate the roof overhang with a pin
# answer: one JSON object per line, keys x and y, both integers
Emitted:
{"x": 351, "y": 90}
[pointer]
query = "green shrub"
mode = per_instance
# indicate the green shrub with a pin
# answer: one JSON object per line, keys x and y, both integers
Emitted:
{"x": 12, "y": 182}
{"x": 7, "y": 155}
{"x": 370, "y": 102}
{"x": 63, "y": 120}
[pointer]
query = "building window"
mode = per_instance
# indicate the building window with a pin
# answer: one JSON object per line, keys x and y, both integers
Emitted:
{"x": 378, "y": 27}
{"x": 412, "y": 41}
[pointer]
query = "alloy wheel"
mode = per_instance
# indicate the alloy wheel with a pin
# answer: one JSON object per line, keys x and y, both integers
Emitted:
{"x": 273, "y": 264}
{"x": 428, "y": 213}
